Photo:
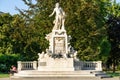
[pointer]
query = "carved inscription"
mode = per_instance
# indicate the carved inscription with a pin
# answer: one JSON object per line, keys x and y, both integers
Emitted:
{"x": 42, "y": 63}
{"x": 59, "y": 45}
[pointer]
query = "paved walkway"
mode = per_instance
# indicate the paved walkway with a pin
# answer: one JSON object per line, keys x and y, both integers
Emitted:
{"x": 116, "y": 78}
{"x": 4, "y": 78}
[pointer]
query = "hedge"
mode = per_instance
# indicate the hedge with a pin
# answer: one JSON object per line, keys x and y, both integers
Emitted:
{"x": 6, "y": 60}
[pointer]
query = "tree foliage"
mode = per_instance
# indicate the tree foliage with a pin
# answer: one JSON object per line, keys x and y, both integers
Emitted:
{"x": 89, "y": 29}
{"x": 114, "y": 35}
{"x": 20, "y": 38}
{"x": 5, "y": 41}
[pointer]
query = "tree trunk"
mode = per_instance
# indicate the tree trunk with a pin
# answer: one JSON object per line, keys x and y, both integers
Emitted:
{"x": 114, "y": 65}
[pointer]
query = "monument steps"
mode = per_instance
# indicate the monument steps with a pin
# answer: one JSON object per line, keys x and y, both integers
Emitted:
{"x": 57, "y": 78}
{"x": 81, "y": 73}
{"x": 102, "y": 74}
{"x": 35, "y": 73}
{"x": 56, "y": 72}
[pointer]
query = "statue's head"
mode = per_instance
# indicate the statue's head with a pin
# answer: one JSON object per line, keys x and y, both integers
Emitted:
{"x": 57, "y": 5}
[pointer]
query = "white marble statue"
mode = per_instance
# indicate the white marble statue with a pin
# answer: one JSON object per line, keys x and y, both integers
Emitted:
{"x": 75, "y": 56}
{"x": 59, "y": 18}
{"x": 41, "y": 56}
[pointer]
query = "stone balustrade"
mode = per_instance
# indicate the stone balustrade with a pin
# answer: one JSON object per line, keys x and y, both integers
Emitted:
{"x": 27, "y": 65}
{"x": 79, "y": 65}
{"x": 88, "y": 65}
{"x": 92, "y": 65}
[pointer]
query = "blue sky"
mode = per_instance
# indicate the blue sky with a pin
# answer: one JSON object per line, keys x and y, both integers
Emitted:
{"x": 9, "y": 6}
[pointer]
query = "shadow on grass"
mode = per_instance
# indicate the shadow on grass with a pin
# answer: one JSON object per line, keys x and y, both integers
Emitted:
{"x": 116, "y": 74}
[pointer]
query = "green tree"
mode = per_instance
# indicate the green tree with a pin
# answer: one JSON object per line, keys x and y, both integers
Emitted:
{"x": 89, "y": 30}
{"x": 5, "y": 41}
{"x": 26, "y": 38}
{"x": 114, "y": 34}
{"x": 17, "y": 38}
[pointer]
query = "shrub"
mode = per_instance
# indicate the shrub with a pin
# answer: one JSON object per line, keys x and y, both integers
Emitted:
{"x": 6, "y": 60}
{"x": 3, "y": 67}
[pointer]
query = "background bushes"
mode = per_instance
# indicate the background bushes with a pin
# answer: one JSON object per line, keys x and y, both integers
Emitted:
{"x": 6, "y": 60}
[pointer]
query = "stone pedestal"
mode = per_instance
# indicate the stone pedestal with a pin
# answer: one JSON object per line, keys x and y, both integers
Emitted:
{"x": 58, "y": 41}
{"x": 58, "y": 64}
{"x": 58, "y": 45}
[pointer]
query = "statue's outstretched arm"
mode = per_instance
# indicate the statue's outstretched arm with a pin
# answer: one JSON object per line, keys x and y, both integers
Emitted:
{"x": 52, "y": 13}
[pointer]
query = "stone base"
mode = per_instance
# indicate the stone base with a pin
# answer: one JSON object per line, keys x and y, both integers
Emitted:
{"x": 57, "y": 75}
{"x": 58, "y": 64}
{"x": 66, "y": 78}
{"x": 35, "y": 73}
{"x": 54, "y": 69}
{"x": 58, "y": 78}
{"x": 54, "y": 75}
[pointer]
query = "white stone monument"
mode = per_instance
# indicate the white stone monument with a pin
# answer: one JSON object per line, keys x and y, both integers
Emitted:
{"x": 59, "y": 46}
{"x": 59, "y": 61}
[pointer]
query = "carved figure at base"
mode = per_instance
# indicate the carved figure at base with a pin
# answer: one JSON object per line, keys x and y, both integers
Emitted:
{"x": 41, "y": 56}
{"x": 59, "y": 18}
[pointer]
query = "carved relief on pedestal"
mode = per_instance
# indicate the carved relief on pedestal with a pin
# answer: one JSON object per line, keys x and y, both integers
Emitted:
{"x": 59, "y": 45}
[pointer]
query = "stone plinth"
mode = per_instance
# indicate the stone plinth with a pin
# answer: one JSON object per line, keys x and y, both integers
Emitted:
{"x": 58, "y": 64}
{"x": 58, "y": 41}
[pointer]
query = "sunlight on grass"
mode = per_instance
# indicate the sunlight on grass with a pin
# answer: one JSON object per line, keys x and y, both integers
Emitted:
{"x": 3, "y": 75}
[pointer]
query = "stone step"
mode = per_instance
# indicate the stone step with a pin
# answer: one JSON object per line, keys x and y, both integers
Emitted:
{"x": 55, "y": 72}
{"x": 102, "y": 74}
{"x": 81, "y": 73}
{"x": 34, "y": 73}
{"x": 57, "y": 78}
{"x": 61, "y": 75}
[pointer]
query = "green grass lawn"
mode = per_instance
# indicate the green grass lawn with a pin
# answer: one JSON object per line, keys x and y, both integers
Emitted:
{"x": 116, "y": 74}
{"x": 4, "y": 75}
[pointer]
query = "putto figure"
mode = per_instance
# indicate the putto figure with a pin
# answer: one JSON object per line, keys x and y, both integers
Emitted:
{"x": 59, "y": 18}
